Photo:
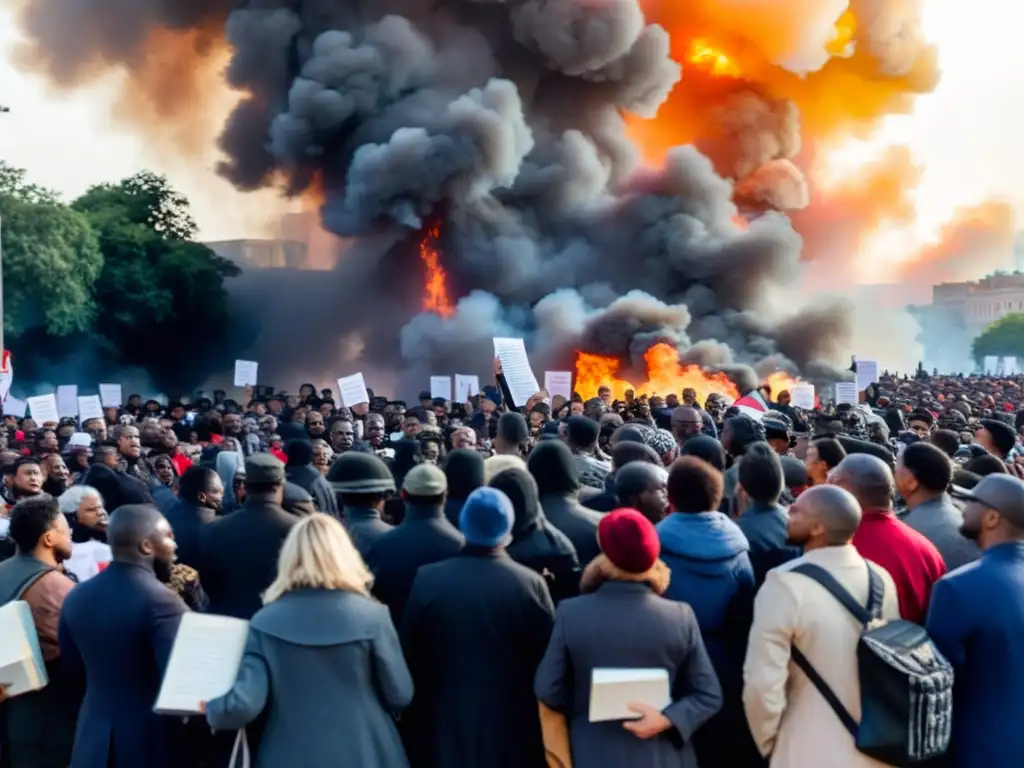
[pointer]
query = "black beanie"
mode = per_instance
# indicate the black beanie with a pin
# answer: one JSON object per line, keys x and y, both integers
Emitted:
{"x": 512, "y": 428}
{"x": 300, "y": 453}
{"x": 707, "y": 449}
{"x": 552, "y": 466}
{"x": 1002, "y": 434}
{"x": 582, "y": 431}
{"x": 464, "y": 469}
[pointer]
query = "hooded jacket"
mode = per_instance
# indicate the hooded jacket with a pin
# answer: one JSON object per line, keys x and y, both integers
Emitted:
{"x": 464, "y": 469}
{"x": 535, "y": 542}
{"x": 551, "y": 464}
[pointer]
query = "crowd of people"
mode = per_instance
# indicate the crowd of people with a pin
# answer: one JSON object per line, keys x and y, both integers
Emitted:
{"x": 433, "y": 584}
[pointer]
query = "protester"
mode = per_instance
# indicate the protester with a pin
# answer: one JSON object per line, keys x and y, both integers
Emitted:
{"x": 643, "y": 486}
{"x": 474, "y": 630}
{"x": 363, "y": 484}
{"x": 558, "y": 483}
{"x": 322, "y": 660}
{"x": 581, "y": 436}
{"x": 82, "y": 505}
{"x": 200, "y": 500}
{"x": 790, "y": 720}
{"x": 823, "y": 456}
{"x": 301, "y": 471}
{"x": 464, "y": 471}
{"x": 622, "y": 621}
{"x": 763, "y": 520}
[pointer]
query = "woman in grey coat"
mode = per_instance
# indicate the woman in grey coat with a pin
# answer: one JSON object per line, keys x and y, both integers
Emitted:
{"x": 323, "y": 659}
{"x": 621, "y": 621}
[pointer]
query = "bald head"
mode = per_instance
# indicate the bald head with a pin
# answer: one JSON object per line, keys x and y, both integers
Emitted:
{"x": 835, "y": 509}
{"x": 868, "y": 478}
{"x": 129, "y": 526}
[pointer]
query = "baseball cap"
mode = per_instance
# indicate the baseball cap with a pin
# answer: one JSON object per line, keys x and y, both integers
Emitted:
{"x": 1003, "y": 493}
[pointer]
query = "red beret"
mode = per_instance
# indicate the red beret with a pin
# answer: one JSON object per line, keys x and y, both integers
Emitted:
{"x": 629, "y": 540}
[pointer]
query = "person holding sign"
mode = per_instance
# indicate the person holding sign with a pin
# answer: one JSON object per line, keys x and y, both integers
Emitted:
{"x": 318, "y": 618}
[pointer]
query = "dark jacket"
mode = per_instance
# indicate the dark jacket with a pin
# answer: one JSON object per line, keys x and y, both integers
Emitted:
{"x": 117, "y": 630}
{"x": 605, "y": 501}
{"x": 535, "y": 542}
{"x": 765, "y": 526}
{"x": 366, "y": 528}
{"x": 327, "y": 668}
{"x": 238, "y": 559}
{"x": 424, "y": 537}
{"x": 976, "y": 619}
{"x": 474, "y": 629}
{"x": 464, "y": 469}
{"x": 187, "y": 523}
{"x": 297, "y": 501}
{"x": 309, "y": 479}
{"x": 558, "y": 482}
{"x": 624, "y": 624}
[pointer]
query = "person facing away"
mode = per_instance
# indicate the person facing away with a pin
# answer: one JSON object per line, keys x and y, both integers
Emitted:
{"x": 643, "y": 486}
{"x": 923, "y": 475}
{"x": 301, "y": 471}
{"x": 708, "y": 556}
{"x": 558, "y": 482}
{"x": 200, "y": 500}
{"x": 424, "y": 536}
{"x": 38, "y": 728}
{"x": 363, "y": 483}
{"x": 976, "y": 619}
{"x": 322, "y": 661}
{"x": 474, "y": 630}
{"x": 792, "y": 724}
{"x": 464, "y": 470}
{"x": 763, "y": 520}
{"x": 913, "y": 562}
{"x": 238, "y": 553}
{"x": 621, "y": 620}
{"x": 535, "y": 542}
{"x": 117, "y": 630}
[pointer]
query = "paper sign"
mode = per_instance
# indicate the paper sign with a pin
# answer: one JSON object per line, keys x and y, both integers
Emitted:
{"x": 1010, "y": 366}
{"x": 802, "y": 396}
{"x": 245, "y": 373}
{"x": 67, "y": 400}
{"x": 991, "y": 364}
{"x": 441, "y": 387}
{"x": 89, "y": 407}
{"x": 353, "y": 390}
{"x": 515, "y": 364}
{"x": 15, "y": 407}
{"x": 867, "y": 374}
{"x": 6, "y": 379}
{"x": 558, "y": 383}
{"x": 466, "y": 386}
{"x": 43, "y": 409}
{"x": 846, "y": 392}
{"x": 110, "y": 395}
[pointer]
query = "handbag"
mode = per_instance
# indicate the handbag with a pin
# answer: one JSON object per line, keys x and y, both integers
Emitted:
{"x": 240, "y": 752}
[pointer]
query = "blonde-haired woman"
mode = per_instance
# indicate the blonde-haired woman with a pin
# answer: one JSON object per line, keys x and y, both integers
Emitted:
{"x": 323, "y": 659}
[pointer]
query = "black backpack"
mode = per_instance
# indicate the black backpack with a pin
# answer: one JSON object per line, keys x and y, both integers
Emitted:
{"x": 906, "y": 685}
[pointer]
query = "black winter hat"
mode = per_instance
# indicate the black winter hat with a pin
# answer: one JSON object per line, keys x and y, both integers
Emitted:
{"x": 360, "y": 473}
{"x": 552, "y": 466}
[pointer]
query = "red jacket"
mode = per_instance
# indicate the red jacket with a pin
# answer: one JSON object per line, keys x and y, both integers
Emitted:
{"x": 180, "y": 462}
{"x": 913, "y": 562}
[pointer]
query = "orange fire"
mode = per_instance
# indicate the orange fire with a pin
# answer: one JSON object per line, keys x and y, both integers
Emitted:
{"x": 779, "y": 381}
{"x": 711, "y": 59}
{"x": 435, "y": 297}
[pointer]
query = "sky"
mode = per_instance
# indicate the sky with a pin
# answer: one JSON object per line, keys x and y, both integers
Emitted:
{"x": 966, "y": 134}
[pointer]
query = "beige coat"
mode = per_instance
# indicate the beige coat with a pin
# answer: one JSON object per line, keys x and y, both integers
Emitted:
{"x": 788, "y": 718}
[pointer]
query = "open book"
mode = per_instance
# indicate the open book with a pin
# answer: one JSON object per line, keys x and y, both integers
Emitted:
{"x": 22, "y": 668}
{"x": 613, "y": 689}
{"x": 204, "y": 662}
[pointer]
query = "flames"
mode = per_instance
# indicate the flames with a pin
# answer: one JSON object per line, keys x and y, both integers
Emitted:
{"x": 778, "y": 382}
{"x": 712, "y": 60}
{"x": 435, "y": 284}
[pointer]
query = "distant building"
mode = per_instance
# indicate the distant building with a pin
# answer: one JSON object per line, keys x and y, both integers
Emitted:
{"x": 261, "y": 254}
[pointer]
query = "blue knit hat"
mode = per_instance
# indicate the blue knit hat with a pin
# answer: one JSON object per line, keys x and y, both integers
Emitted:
{"x": 486, "y": 517}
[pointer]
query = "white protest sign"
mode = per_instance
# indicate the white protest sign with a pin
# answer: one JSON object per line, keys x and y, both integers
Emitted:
{"x": 89, "y": 407}
{"x": 441, "y": 387}
{"x": 245, "y": 373}
{"x": 110, "y": 395}
{"x": 67, "y": 400}
{"x": 846, "y": 392}
{"x": 1010, "y": 366}
{"x": 867, "y": 374}
{"x": 43, "y": 409}
{"x": 802, "y": 396}
{"x": 558, "y": 383}
{"x": 6, "y": 380}
{"x": 15, "y": 407}
{"x": 515, "y": 365}
{"x": 466, "y": 386}
{"x": 991, "y": 364}
{"x": 353, "y": 390}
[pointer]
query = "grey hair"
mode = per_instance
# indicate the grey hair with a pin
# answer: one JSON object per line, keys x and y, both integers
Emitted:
{"x": 71, "y": 499}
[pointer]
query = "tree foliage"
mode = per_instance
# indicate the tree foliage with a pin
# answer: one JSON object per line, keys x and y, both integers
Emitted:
{"x": 1004, "y": 338}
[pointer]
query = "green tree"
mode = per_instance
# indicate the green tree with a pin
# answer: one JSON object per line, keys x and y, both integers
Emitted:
{"x": 1004, "y": 338}
{"x": 161, "y": 301}
{"x": 51, "y": 259}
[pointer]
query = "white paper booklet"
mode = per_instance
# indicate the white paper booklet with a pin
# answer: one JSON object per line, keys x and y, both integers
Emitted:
{"x": 21, "y": 660}
{"x": 204, "y": 662}
{"x": 613, "y": 689}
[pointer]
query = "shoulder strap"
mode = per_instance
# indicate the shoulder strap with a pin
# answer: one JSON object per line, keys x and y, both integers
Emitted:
{"x": 826, "y": 692}
{"x": 826, "y": 580}
{"x": 876, "y": 592}
{"x": 28, "y": 581}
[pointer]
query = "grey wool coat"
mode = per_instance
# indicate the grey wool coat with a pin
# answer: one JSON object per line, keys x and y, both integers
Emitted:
{"x": 625, "y": 624}
{"x": 327, "y": 668}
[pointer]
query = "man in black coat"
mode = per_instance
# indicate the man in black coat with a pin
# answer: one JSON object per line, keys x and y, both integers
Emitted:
{"x": 238, "y": 553}
{"x": 300, "y": 471}
{"x": 364, "y": 483}
{"x": 474, "y": 629}
{"x": 558, "y": 481}
{"x": 200, "y": 500}
{"x": 425, "y": 536}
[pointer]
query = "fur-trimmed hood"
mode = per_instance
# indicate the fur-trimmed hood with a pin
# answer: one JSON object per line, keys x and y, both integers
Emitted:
{"x": 601, "y": 570}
